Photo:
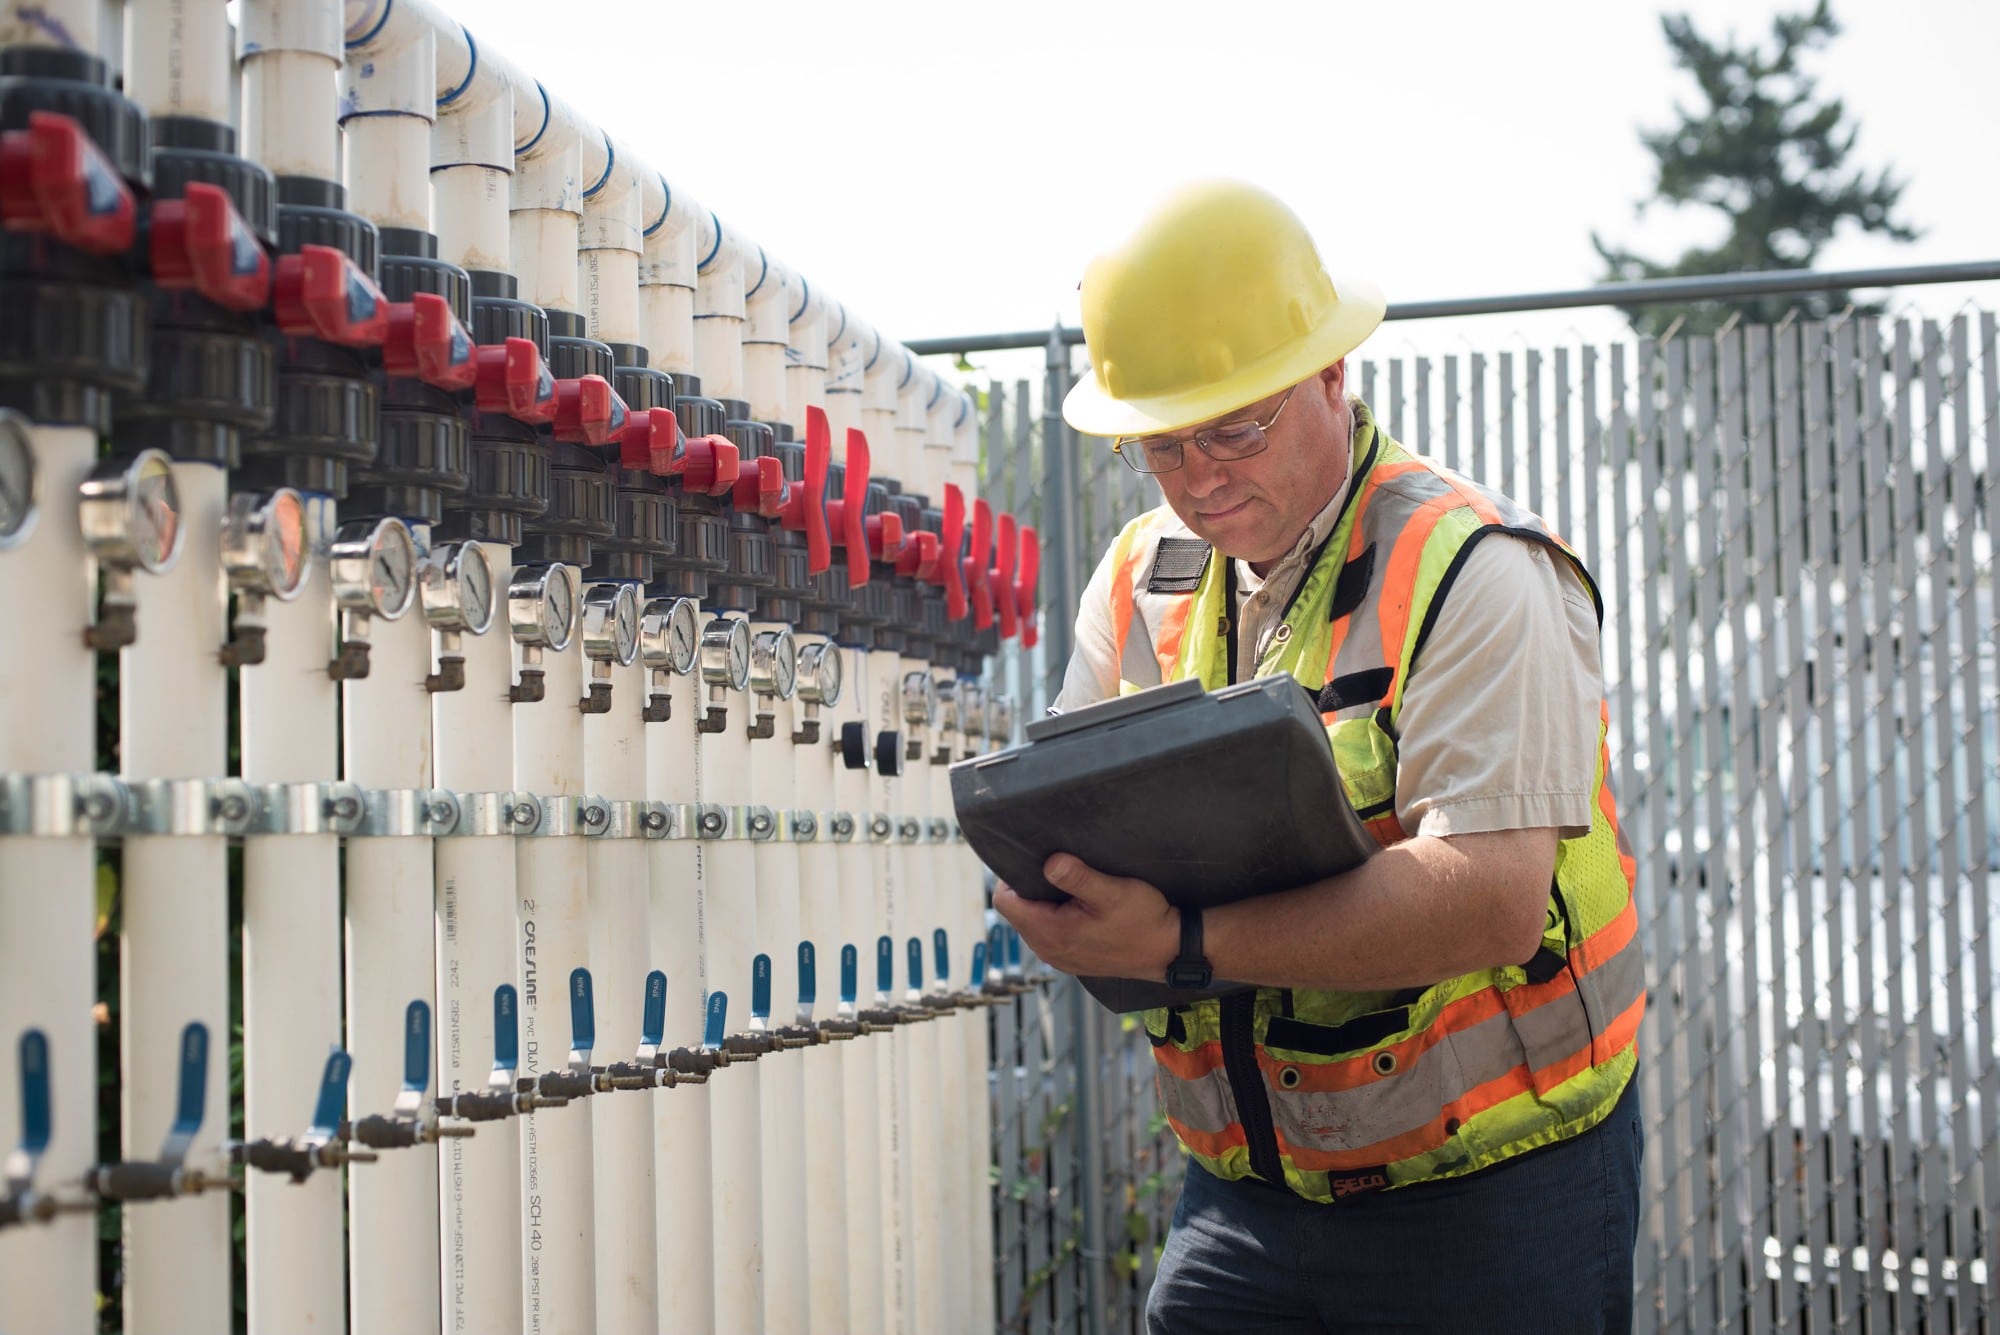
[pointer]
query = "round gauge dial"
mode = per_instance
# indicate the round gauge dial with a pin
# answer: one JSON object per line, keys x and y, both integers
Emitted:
{"x": 392, "y": 569}
{"x": 668, "y": 635}
{"x": 475, "y": 586}
{"x": 819, "y": 673}
{"x": 284, "y": 546}
{"x": 774, "y": 664}
{"x": 625, "y": 624}
{"x": 559, "y": 607}
{"x": 919, "y": 699}
{"x": 17, "y": 479}
{"x": 153, "y": 500}
{"x": 611, "y": 623}
{"x": 725, "y": 653}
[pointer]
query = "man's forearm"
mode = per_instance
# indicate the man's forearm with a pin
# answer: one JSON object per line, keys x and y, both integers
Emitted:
{"x": 1423, "y": 911}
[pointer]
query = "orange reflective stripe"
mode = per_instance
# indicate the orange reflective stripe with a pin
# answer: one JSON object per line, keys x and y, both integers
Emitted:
{"x": 1356, "y": 1071}
{"x": 1173, "y": 621}
{"x": 1388, "y": 830}
{"x": 1357, "y": 543}
{"x": 1121, "y": 606}
{"x": 1189, "y": 1065}
{"x": 1399, "y": 583}
{"x": 1213, "y": 1144}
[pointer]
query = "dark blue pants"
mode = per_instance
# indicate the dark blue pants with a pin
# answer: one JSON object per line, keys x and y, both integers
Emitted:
{"x": 1541, "y": 1243}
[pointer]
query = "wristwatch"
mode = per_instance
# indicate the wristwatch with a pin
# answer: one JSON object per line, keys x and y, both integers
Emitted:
{"x": 1190, "y": 968}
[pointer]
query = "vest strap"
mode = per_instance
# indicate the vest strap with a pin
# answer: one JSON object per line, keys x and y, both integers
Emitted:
{"x": 1178, "y": 565}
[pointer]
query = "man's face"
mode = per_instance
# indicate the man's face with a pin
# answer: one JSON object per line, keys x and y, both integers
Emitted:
{"x": 1254, "y": 509}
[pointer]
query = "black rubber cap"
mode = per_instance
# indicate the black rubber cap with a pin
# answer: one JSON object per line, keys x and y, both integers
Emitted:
{"x": 753, "y": 440}
{"x": 424, "y": 455}
{"x": 313, "y": 212}
{"x": 405, "y": 273}
{"x": 889, "y": 753}
{"x": 642, "y": 389}
{"x": 507, "y": 481}
{"x": 188, "y": 150}
{"x": 698, "y": 416}
{"x": 751, "y": 562}
{"x": 704, "y": 543}
{"x": 571, "y": 356}
{"x": 326, "y": 421}
{"x": 211, "y": 381}
{"x": 498, "y": 314}
{"x": 854, "y": 745}
{"x": 66, "y": 347}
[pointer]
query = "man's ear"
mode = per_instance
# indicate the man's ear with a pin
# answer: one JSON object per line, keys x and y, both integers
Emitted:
{"x": 1335, "y": 376}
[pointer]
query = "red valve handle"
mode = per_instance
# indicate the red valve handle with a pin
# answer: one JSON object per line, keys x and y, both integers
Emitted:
{"x": 513, "y": 380}
{"x": 885, "y": 537}
{"x": 54, "y": 179}
{"x": 805, "y": 508}
{"x": 1028, "y": 576}
{"x": 321, "y": 293}
{"x": 200, "y": 241}
{"x": 760, "y": 487}
{"x": 711, "y": 466}
{"x": 588, "y": 411}
{"x": 650, "y": 443}
{"x": 1002, "y": 575}
{"x": 950, "y": 574}
{"x": 974, "y": 569}
{"x": 920, "y": 554}
{"x": 426, "y": 341}
{"x": 847, "y": 514}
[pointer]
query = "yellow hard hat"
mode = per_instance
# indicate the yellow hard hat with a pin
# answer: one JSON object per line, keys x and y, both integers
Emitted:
{"x": 1219, "y": 299}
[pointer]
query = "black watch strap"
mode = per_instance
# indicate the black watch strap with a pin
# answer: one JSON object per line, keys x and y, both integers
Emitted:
{"x": 1190, "y": 968}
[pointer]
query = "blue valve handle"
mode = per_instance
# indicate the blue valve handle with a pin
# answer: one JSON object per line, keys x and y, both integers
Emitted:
{"x": 978, "y": 965}
{"x": 1013, "y": 951}
{"x": 193, "y": 1093}
{"x": 36, "y": 1118}
{"x": 885, "y": 967}
{"x": 760, "y": 988}
{"x": 915, "y": 954}
{"x": 332, "y": 1097}
{"x": 653, "y": 1024}
{"x": 850, "y": 975}
{"x": 718, "y": 1016}
{"x": 808, "y": 976}
{"x": 582, "y": 1015}
{"x": 506, "y": 1034}
{"x": 417, "y": 1046}
{"x": 941, "y": 954}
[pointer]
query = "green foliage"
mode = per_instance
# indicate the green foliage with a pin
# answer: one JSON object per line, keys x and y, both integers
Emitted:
{"x": 1768, "y": 154}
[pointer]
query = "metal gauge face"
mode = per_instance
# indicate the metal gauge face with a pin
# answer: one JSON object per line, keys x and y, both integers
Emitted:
{"x": 456, "y": 582}
{"x": 919, "y": 699}
{"x": 374, "y": 566}
{"x": 611, "y": 622}
{"x": 669, "y": 637}
{"x": 774, "y": 663}
{"x": 130, "y": 512}
{"x": 819, "y": 673}
{"x": 950, "y": 716}
{"x": 559, "y": 607}
{"x": 972, "y": 708}
{"x": 17, "y": 480}
{"x": 267, "y": 543}
{"x": 725, "y": 653}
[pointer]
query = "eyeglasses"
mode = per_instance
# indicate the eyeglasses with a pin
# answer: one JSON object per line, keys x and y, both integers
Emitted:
{"x": 1228, "y": 442}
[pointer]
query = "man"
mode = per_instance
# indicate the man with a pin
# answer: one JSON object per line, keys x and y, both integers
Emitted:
{"x": 1423, "y": 1117}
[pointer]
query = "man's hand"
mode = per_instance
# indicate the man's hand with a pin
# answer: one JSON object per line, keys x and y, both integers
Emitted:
{"x": 1111, "y": 927}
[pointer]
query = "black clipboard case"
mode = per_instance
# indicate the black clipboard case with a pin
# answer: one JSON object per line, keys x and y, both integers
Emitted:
{"x": 1212, "y": 797}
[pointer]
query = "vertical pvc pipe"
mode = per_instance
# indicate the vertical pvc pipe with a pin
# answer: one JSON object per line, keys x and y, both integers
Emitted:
{"x": 900, "y": 1049}
{"x": 173, "y": 725}
{"x": 806, "y": 358}
{"x": 388, "y": 106}
{"x": 881, "y": 371}
{"x": 861, "y": 1099}
{"x": 674, "y": 245}
{"x": 291, "y": 965}
{"x": 177, "y": 60}
{"x": 479, "y": 1177}
{"x": 766, "y": 334}
{"x": 472, "y": 157}
{"x": 719, "y": 314}
{"x": 291, "y": 52}
{"x": 912, "y": 424}
{"x": 392, "y": 1204}
{"x": 845, "y": 378}
{"x": 557, "y": 1235}
{"x": 782, "y": 1073}
{"x": 48, "y": 959}
{"x": 682, "y": 1154}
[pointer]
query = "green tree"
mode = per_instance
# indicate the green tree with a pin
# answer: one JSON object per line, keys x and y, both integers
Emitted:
{"x": 1768, "y": 154}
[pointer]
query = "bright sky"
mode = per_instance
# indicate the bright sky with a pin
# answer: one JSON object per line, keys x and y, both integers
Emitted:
{"x": 949, "y": 168}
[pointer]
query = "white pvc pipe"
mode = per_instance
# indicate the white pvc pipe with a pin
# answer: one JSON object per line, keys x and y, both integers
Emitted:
{"x": 940, "y": 417}
{"x": 766, "y": 332}
{"x": 173, "y": 724}
{"x": 719, "y": 315}
{"x": 177, "y": 59}
{"x": 614, "y": 768}
{"x": 901, "y": 1047}
{"x": 391, "y": 959}
{"x": 667, "y": 277}
{"x": 913, "y": 393}
{"x": 845, "y": 378}
{"x": 472, "y": 157}
{"x": 682, "y": 1155}
{"x": 805, "y": 358}
{"x": 825, "y": 1139}
{"x": 962, "y": 1031}
{"x": 291, "y": 966}
{"x": 546, "y": 211}
{"x": 557, "y": 1234}
{"x": 291, "y": 55}
{"x": 862, "y": 1109}
{"x": 932, "y": 1086}
{"x": 480, "y": 1177}
{"x": 67, "y": 25}
{"x": 608, "y": 250}
{"x": 881, "y": 369}
{"x": 48, "y": 964}
{"x": 786, "y": 1277}
{"x": 729, "y": 892}
{"x": 388, "y": 106}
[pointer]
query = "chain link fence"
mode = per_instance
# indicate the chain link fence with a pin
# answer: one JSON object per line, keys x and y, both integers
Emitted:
{"x": 1794, "y": 529}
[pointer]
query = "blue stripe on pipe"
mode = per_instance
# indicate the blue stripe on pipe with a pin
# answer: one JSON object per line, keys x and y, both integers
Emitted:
{"x": 715, "y": 250}
{"x": 610, "y": 161}
{"x": 915, "y": 955}
{"x": 471, "y": 69}
{"x": 666, "y": 207}
{"x": 762, "y": 274}
{"x": 805, "y": 300}
{"x": 978, "y": 965}
{"x": 519, "y": 149}
{"x": 381, "y": 23}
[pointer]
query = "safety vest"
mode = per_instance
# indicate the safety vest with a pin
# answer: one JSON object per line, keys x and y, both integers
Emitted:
{"x": 1334, "y": 1093}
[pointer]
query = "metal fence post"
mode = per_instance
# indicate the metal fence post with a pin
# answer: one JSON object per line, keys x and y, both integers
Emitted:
{"x": 1059, "y": 515}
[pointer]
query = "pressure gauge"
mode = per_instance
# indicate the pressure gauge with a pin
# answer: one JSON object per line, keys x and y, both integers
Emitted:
{"x": 611, "y": 623}
{"x": 374, "y": 567}
{"x": 669, "y": 636}
{"x": 130, "y": 511}
{"x": 919, "y": 699}
{"x": 774, "y": 663}
{"x": 17, "y": 480}
{"x": 542, "y": 606}
{"x": 456, "y": 581}
{"x": 267, "y": 543}
{"x": 972, "y": 708}
{"x": 951, "y": 715}
{"x": 725, "y": 653}
{"x": 819, "y": 674}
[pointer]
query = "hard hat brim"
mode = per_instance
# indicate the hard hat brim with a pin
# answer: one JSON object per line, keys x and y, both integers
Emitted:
{"x": 1088, "y": 409}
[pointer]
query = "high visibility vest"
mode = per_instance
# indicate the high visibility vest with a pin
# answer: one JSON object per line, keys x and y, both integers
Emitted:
{"x": 1334, "y": 1093}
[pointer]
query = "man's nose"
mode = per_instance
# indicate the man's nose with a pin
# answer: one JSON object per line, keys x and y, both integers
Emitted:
{"x": 1201, "y": 475}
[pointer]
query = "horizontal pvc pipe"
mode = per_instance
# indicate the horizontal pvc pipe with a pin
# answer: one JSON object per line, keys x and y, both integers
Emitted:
{"x": 291, "y": 967}
{"x": 48, "y": 964}
{"x": 391, "y": 961}
{"x": 291, "y": 54}
{"x": 175, "y": 925}
{"x": 177, "y": 59}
